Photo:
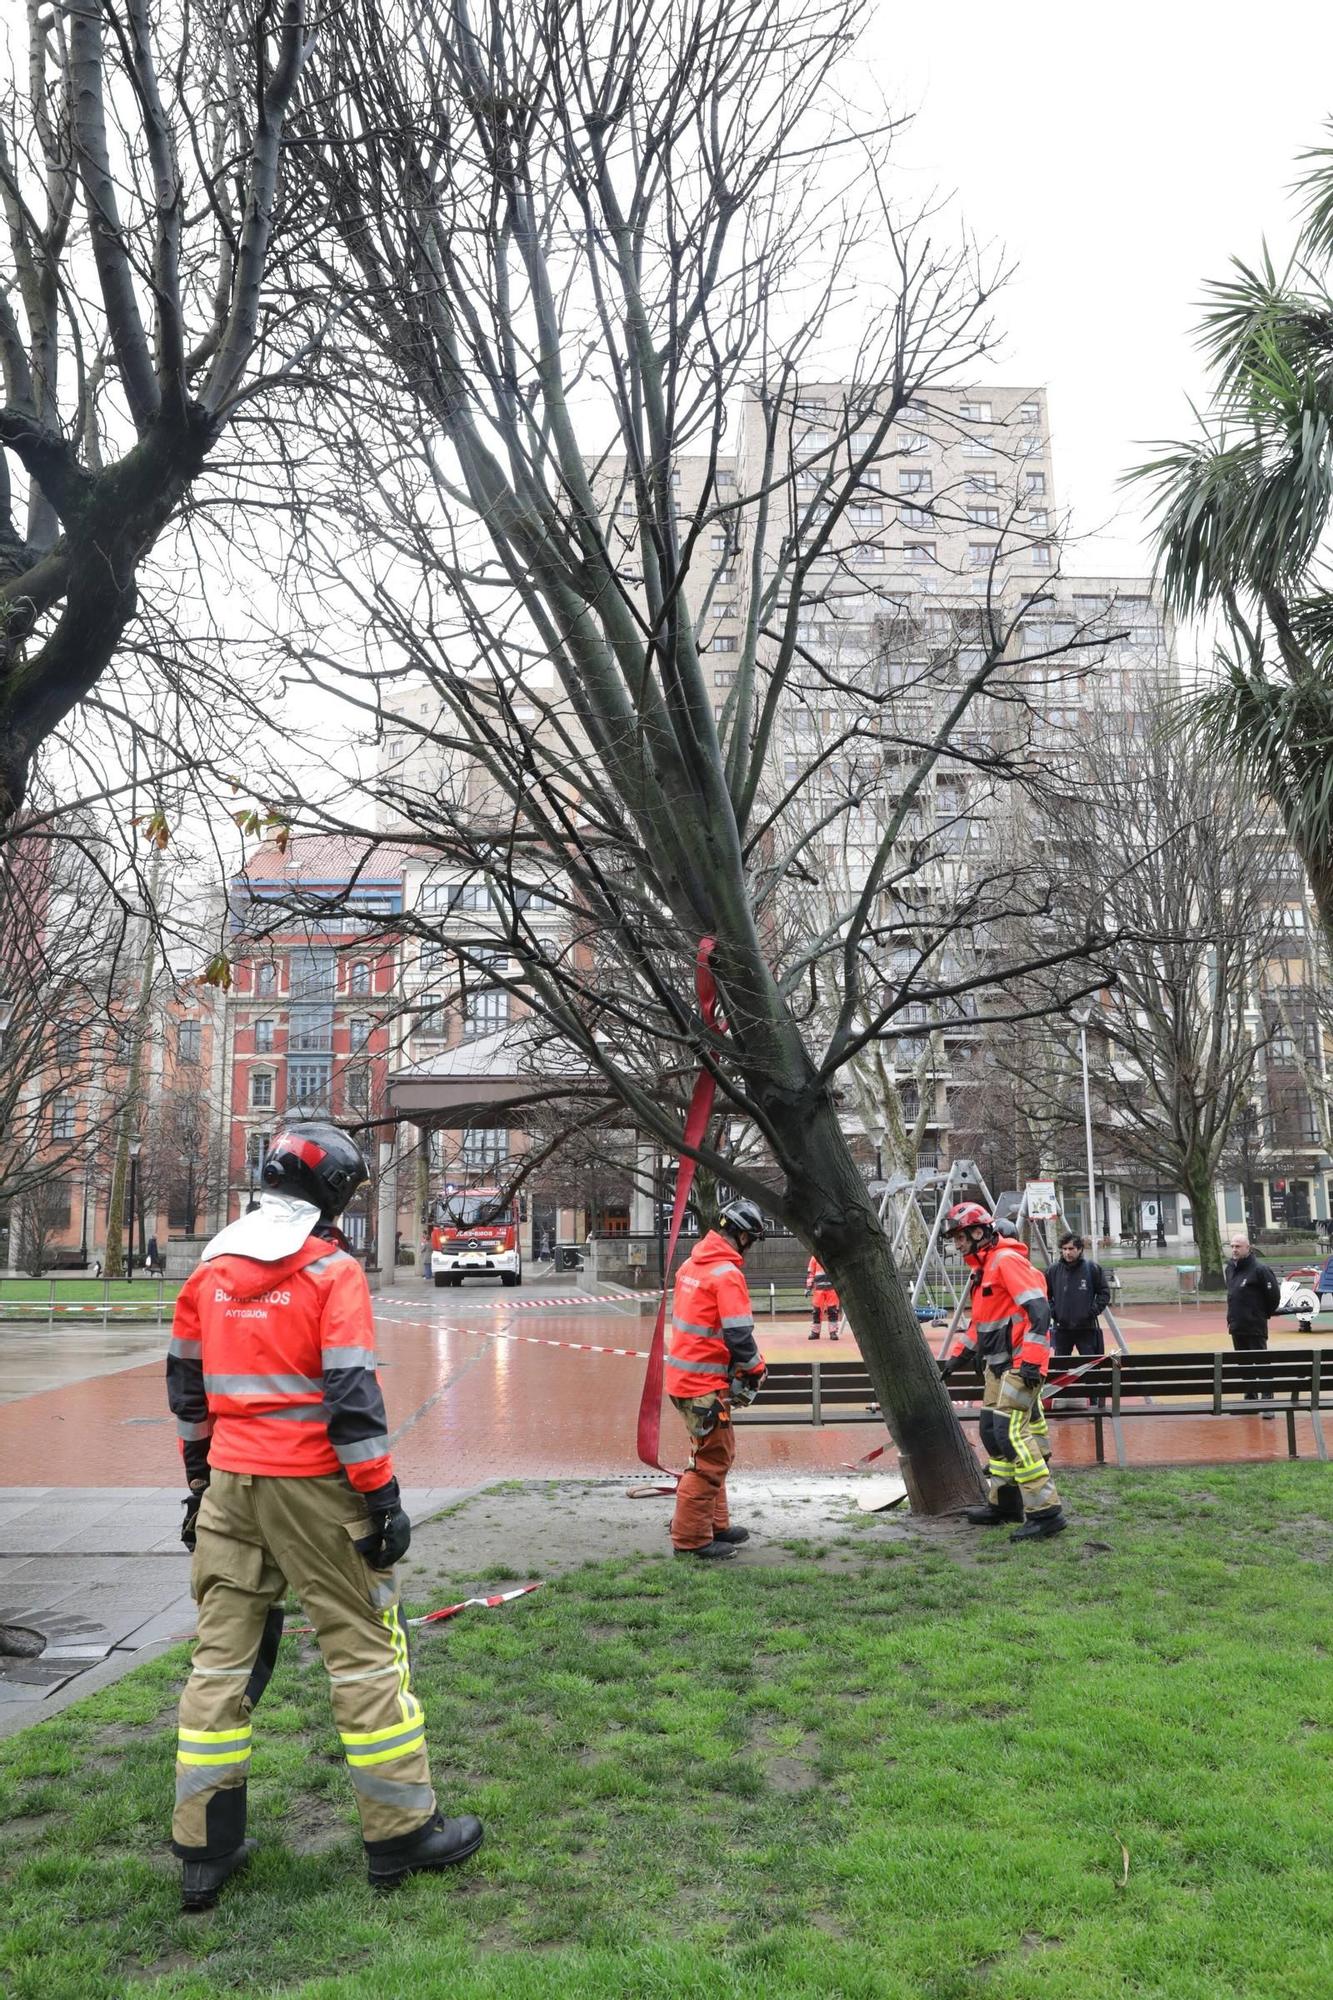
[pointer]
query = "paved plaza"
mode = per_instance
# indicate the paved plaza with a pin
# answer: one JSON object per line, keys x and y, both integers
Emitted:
{"x": 481, "y": 1386}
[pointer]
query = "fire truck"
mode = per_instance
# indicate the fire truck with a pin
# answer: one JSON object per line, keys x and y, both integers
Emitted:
{"x": 474, "y": 1232}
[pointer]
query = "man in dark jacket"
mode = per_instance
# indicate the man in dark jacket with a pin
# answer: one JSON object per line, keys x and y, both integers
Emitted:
{"x": 1253, "y": 1293}
{"x": 1078, "y": 1292}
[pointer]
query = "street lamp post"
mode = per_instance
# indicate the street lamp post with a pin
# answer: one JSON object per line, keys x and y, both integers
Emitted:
{"x": 1083, "y": 1015}
{"x": 135, "y": 1146}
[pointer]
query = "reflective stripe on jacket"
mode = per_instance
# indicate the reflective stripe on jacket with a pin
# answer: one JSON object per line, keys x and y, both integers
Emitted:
{"x": 271, "y": 1368}
{"x": 1011, "y": 1319}
{"x": 712, "y": 1326}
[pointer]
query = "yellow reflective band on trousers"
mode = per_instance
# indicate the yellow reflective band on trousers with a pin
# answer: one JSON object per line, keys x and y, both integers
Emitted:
{"x": 1028, "y": 1464}
{"x": 381, "y": 1746}
{"x": 213, "y": 1746}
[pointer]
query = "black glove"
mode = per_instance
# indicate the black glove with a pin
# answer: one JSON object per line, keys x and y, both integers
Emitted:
{"x": 390, "y": 1534}
{"x": 946, "y": 1365}
{"x": 190, "y": 1520}
{"x": 1030, "y": 1374}
{"x": 744, "y": 1388}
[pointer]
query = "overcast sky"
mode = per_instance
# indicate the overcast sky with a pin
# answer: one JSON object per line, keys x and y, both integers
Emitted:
{"x": 1122, "y": 154}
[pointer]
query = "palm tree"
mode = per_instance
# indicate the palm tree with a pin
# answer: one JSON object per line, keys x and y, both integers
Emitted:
{"x": 1242, "y": 520}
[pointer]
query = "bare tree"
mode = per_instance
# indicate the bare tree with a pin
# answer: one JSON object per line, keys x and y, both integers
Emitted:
{"x": 140, "y": 152}
{"x": 1166, "y": 849}
{"x": 575, "y": 242}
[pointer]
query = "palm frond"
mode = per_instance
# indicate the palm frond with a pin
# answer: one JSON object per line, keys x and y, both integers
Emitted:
{"x": 1315, "y": 186}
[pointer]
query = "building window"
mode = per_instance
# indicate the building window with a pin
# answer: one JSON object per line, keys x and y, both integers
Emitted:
{"x": 308, "y": 1084}
{"x": 920, "y": 553}
{"x": 866, "y": 552}
{"x": 914, "y": 481}
{"x": 866, "y": 516}
{"x": 474, "y": 896}
{"x": 977, "y": 448}
{"x": 1029, "y": 413}
{"x": 189, "y": 1041}
{"x": 266, "y": 980}
{"x": 628, "y": 509}
{"x": 359, "y": 1030}
{"x": 807, "y": 476}
{"x": 981, "y": 482}
{"x": 360, "y": 981}
{"x": 1029, "y": 447}
{"x": 256, "y": 1152}
{"x": 724, "y": 677}
{"x": 719, "y": 544}
{"x": 432, "y": 1023}
{"x": 1034, "y": 482}
{"x": 264, "y": 1037}
{"x": 1041, "y": 555}
{"x": 725, "y": 477}
{"x": 310, "y": 1031}
{"x": 984, "y": 517}
{"x": 62, "y": 1117}
{"x": 980, "y": 553}
{"x": 357, "y": 1089}
{"x": 485, "y": 1146}
{"x": 916, "y": 517}
{"x": 975, "y": 413}
{"x": 723, "y": 642}
{"x": 69, "y": 1042}
{"x": 313, "y": 973}
{"x": 261, "y": 1090}
{"x": 487, "y": 1012}
{"x": 725, "y": 576}
{"x": 1038, "y": 519}
{"x": 913, "y": 443}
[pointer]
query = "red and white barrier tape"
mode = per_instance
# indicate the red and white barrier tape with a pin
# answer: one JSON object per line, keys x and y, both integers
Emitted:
{"x": 485, "y": 1603}
{"x": 521, "y": 1339}
{"x": 445, "y": 1611}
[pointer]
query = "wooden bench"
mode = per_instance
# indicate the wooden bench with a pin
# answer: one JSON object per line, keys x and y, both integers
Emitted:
{"x": 1282, "y": 1382}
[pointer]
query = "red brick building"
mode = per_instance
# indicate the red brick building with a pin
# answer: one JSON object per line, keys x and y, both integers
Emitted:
{"x": 313, "y": 1014}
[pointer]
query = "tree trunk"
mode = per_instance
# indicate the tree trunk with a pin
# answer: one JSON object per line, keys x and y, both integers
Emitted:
{"x": 937, "y": 1462}
{"x": 1207, "y": 1235}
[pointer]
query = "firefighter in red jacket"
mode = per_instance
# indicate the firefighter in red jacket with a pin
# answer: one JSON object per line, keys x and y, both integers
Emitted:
{"x": 823, "y": 1299}
{"x": 712, "y": 1361}
{"x": 1008, "y": 1336}
{"x": 271, "y": 1377}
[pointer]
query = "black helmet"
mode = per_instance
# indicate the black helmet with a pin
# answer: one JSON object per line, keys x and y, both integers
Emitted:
{"x": 743, "y": 1215}
{"x": 317, "y": 1162}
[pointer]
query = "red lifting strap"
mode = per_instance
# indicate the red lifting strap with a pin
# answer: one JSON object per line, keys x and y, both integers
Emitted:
{"x": 696, "y": 1125}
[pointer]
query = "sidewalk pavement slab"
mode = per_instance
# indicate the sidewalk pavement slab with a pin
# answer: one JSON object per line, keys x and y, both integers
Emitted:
{"x": 101, "y": 1572}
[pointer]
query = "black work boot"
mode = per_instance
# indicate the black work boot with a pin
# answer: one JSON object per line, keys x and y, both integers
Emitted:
{"x": 1050, "y": 1521}
{"x": 731, "y": 1534}
{"x": 438, "y": 1844}
{"x": 201, "y": 1880}
{"x": 1007, "y": 1507}
{"x": 715, "y": 1551}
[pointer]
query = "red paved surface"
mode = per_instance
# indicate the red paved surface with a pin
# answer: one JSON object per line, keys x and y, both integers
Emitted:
{"x": 468, "y": 1406}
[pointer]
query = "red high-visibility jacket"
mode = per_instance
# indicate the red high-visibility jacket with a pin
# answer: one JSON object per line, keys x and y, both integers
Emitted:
{"x": 271, "y": 1368}
{"x": 1011, "y": 1319}
{"x": 712, "y": 1326}
{"x": 818, "y": 1281}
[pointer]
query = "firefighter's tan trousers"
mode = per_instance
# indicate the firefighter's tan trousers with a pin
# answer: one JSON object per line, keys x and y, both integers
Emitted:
{"x": 257, "y": 1537}
{"x": 1013, "y": 1430}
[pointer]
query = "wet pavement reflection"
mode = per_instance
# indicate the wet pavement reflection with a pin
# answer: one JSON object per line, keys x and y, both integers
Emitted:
{"x": 474, "y": 1393}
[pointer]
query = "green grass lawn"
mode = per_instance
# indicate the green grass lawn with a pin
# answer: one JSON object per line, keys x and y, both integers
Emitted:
{"x": 141, "y": 1291}
{"x": 892, "y": 1768}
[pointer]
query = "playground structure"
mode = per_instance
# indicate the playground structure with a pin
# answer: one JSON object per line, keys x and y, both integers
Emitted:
{"x": 940, "y": 1271}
